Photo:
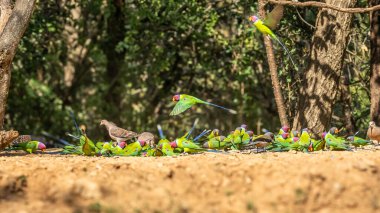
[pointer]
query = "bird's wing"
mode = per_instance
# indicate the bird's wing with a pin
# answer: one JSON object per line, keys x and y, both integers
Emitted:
{"x": 181, "y": 106}
{"x": 273, "y": 18}
{"x": 118, "y": 132}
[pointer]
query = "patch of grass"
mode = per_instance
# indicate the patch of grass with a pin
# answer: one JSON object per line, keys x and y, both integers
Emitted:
{"x": 251, "y": 207}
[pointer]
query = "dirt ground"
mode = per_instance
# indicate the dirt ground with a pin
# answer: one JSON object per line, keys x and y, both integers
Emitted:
{"x": 211, "y": 182}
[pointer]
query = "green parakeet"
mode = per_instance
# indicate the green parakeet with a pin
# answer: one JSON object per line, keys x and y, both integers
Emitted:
{"x": 334, "y": 143}
{"x": 30, "y": 147}
{"x": 88, "y": 147}
{"x": 215, "y": 143}
{"x": 166, "y": 147}
{"x": 357, "y": 141}
{"x": 270, "y": 23}
{"x": 134, "y": 149}
{"x": 305, "y": 138}
{"x": 185, "y": 102}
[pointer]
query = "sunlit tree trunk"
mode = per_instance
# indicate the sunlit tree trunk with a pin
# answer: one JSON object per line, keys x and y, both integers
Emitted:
{"x": 375, "y": 63}
{"x": 320, "y": 80}
{"x": 13, "y": 26}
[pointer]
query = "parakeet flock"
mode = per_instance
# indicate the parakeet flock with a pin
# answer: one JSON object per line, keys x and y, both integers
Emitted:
{"x": 129, "y": 143}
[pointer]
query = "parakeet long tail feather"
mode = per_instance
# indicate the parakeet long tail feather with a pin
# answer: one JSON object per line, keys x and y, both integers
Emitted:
{"x": 229, "y": 110}
{"x": 75, "y": 122}
{"x": 286, "y": 50}
{"x": 160, "y": 132}
{"x": 201, "y": 135}
{"x": 192, "y": 128}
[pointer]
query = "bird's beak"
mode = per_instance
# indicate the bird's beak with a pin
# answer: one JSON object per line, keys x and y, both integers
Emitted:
{"x": 337, "y": 131}
{"x": 173, "y": 99}
{"x": 250, "y": 18}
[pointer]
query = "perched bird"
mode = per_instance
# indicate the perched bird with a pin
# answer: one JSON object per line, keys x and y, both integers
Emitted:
{"x": 284, "y": 129}
{"x": 166, "y": 148}
{"x": 215, "y": 143}
{"x": 334, "y": 143}
{"x": 30, "y": 147}
{"x": 214, "y": 133}
{"x": 88, "y": 147}
{"x": 148, "y": 137}
{"x": 373, "y": 132}
{"x": 184, "y": 102}
{"x": 283, "y": 138}
{"x": 134, "y": 149}
{"x": 357, "y": 141}
{"x": 294, "y": 133}
{"x": 22, "y": 139}
{"x": 270, "y": 23}
{"x": 305, "y": 138}
{"x": 116, "y": 133}
{"x": 261, "y": 144}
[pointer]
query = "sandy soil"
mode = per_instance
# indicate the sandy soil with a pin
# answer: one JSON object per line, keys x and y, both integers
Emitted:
{"x": 212, "y": 182}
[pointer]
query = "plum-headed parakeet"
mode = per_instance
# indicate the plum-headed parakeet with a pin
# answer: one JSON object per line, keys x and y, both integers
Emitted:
{"x": 270, "y": 23}
{"x": 185, "y": 102}
{"x": 30, "y": 147}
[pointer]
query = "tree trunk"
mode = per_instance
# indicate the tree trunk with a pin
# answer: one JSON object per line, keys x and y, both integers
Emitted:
{"x": 273, "y": 72}
{"x": 320, "y": 80}
{"x": 10, "y": 36}
{"x": 375, "y": 63}
{"x": 347, "y": 103}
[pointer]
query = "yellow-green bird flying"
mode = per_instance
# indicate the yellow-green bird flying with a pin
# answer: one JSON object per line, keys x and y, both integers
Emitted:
{"x": 185, "y": 102}
{"x": 270, "y": 23}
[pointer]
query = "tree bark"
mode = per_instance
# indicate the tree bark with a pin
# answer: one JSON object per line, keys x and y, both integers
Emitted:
{"x": 320, "y": 80}
{"x": 347, "y": 103}
{"x": 375, "y": 62}
{"x": 273, "y": 72}
{"x": 10, "y": 36}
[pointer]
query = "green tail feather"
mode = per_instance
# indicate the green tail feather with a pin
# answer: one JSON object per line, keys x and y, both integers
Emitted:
{"x": 273, "y": 36}
{"x": 229, "y": 110}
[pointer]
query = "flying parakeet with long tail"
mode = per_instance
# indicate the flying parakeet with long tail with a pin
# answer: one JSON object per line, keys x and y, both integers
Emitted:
{"x": 185, "y": 102}
{"x": 270, "y": 23}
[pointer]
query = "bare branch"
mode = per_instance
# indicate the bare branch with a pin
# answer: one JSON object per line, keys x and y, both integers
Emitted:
{"x": 324, "y": 5}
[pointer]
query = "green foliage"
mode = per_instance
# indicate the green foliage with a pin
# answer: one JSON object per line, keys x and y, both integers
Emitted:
{"x": 123, "y": 61}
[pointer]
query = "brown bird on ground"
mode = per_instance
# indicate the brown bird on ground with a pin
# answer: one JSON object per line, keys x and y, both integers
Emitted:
{"x": 373, "y": 132}
{"x": 118, "y": 134}
{"x": 6, "y": 138}
{"x": 148, "y": 137}
{"x": 22, "y": 139}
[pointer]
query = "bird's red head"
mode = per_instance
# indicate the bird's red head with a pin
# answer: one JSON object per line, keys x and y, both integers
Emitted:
{"x": 142, "y": 142}
{"x": 41, "y": 146}
{"x": 286, "y": 128}
{"x": 253, "y": 18}
{"x": 173, "y": 144}
{"x": 324, "y": 134}
{"x": 122, "y": 144}
{"x": 295, "y": 139}
{"x": 310, "y": 148}
{"x": 285, "y": 135}
{"x": 176, "y": 97}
